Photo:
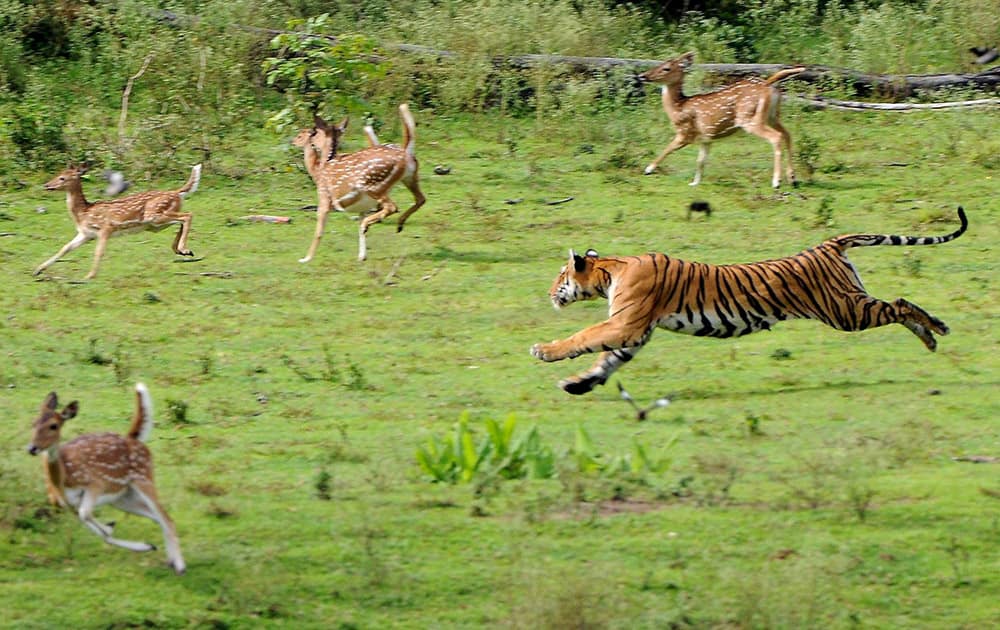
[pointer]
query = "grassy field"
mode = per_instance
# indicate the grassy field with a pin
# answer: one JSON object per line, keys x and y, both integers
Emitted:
{"x": 812, "y": 480}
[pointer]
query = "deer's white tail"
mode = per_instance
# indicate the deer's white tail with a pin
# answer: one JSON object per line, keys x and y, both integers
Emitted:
{"x": 142, "y": 422}
{"x": 192, "y": 182}
{"x": 783, "y": 74}
{"x": 409, "y": 129}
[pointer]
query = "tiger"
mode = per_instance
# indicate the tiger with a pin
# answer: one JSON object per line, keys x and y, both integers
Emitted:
{"x": 655, "y": 290}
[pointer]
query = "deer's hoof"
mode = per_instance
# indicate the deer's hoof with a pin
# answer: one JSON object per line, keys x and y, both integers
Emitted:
{"x": 305, "y": 260}
{"x": 649, "y": 170}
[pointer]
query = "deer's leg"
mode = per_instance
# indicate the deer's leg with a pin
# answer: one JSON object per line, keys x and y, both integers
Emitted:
{"x": 599, "y": 372}
{"x": 700, "y": 164}
{"x": 102, "y": 243}
{"x": 322, "y": 210}
{"x": 786, "y": 139}
{"x": 862, "y": 311}
{"x": 386, "y": 207}
{"x": 86, "y": 514}
{"x": 76, "y": 241}
{"x": 413, "y": 186}
{"x": 180, "y": 241}
{"x": 678, "y": 142}
{"x": 773, "y": 136}
{"x": 141, "y": 500}
{"x": 608, "y": 335}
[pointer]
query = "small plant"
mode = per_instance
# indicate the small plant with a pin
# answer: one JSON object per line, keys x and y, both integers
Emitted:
{"x": 911, "y": 265}
{"x": 824, "y": 213}
{"x": 301, "y": 372}
{"x": 807, "y": 151}
{"x": 323, "y": 484}
{"x": 206, "y": 364}
{"x": 958, "y": 556}
{"x": 178, "y": 410}
{"x": 355, "y": 377}
{"x": 94, "y": 356}
{"x": 330, "y": 372}
{"x": 781, "y": 354}
{"x": 752, "y": 423}
{"x": 121, "y": 365}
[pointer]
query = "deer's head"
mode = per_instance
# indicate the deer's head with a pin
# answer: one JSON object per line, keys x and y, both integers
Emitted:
{"x": 327, "y": 137}
{"x": 49, "y": 423}
{"x": 304, "y": 138}
{"x": 66, "y": 177}
{"x": 671, "y": 71}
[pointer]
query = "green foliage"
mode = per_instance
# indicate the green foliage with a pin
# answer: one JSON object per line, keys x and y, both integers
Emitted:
{"x": 319, "y": 73}
{"x": 500, "y": 455}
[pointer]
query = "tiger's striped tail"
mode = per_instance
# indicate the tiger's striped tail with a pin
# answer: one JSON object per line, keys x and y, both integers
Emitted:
{"x": 870, "y": 240}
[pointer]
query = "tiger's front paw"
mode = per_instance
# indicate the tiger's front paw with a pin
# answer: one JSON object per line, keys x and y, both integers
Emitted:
{"x": 545, "y": 351}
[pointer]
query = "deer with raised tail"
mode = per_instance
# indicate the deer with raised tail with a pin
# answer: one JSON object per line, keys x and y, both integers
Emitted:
{"x": 752, "y": 104}
{"x": 359, "y": 181}
{"x": 101, "y": 468}
{"x": 153, "y": 210}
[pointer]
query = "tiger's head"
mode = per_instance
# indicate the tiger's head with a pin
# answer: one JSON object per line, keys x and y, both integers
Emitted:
{"x": 578, "y": 280}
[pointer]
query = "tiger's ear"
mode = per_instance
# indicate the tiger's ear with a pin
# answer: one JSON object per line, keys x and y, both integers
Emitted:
{"x": 579, "y": 262}
{"x": 592, "y": 253}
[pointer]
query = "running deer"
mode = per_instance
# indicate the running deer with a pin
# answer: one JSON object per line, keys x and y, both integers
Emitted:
{"x": 100, "y": 468}
{"x": 752, "y": 104}
{"x": 154, "y": 210}
{"x": 359, "y": 181}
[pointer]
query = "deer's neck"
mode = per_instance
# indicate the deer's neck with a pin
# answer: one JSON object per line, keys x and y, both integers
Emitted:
{"x": 75, "y": 201}
{"x": 311, "y": 158}
{"x": 673, "y": 99}
{"x": 54, "y": 466}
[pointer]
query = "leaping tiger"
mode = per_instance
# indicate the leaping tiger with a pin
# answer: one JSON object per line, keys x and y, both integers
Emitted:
{"x": 655, "y": 290}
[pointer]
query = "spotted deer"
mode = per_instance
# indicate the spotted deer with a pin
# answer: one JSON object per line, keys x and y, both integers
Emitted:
{"x": 752, "y": 104}
{"x": 100, "y": 468}
{"x": 153, "y": 210}
{"x": 359, "y": 181}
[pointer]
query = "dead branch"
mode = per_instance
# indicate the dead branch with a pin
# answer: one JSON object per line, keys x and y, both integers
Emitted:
{"x": 125, "y": 96}
{"x": 822, "y": 101}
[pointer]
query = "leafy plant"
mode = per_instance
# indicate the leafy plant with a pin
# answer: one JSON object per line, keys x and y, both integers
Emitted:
{"x": 319, "y": 72}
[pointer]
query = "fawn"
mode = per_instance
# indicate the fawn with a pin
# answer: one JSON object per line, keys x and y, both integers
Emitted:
{"x": 752, "y": 104}
{"x": 152, "y": 210}
{"x": 100, "y": 468}
{"x": 361, "y": 180}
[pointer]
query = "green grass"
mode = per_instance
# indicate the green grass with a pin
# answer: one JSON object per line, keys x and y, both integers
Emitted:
{"x": 841, "y": 507}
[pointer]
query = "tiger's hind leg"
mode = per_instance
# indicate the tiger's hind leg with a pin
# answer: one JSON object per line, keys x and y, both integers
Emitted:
{"x": 871, "y": 313}
{"x": 599, "y": 372}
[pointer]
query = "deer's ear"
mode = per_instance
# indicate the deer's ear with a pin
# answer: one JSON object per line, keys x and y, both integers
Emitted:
{"x": 70, "y": 411}
{"x": 342, "y": 125}
{"x": 51, "y": 402}
{"x": 687, "y": 60}
{"x": 319, "y": 123}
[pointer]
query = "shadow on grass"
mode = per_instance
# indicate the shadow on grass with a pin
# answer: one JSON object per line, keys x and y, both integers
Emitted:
{"x": 696, "y": 394}
{"x": 446, "y": 253}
